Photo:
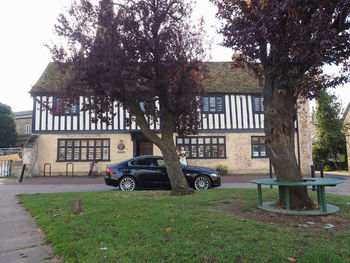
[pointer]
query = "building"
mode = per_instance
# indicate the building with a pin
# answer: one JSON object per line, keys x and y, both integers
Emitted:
{"x": 24, "y": 126}
{"x": 231, "y": 132}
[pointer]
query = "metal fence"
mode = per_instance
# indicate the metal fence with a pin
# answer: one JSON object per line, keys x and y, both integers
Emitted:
{"x": 5, "y": 168}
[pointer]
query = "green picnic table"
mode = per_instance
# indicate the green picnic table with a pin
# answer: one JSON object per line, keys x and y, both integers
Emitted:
{"x": 320, "y": 183}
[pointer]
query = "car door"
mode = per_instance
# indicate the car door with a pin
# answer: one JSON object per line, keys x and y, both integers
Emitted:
{"x": 146, "y": 172}
{"x": 163, "y": 178}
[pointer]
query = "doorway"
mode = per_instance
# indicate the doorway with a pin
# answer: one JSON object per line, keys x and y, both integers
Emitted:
{"x": 142, "y": 146}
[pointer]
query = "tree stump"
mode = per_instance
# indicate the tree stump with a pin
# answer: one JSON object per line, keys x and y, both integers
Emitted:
{"x": 77, "y": 207}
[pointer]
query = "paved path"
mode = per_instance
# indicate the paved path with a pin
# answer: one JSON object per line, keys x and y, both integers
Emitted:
{"x": 20, "y": 240}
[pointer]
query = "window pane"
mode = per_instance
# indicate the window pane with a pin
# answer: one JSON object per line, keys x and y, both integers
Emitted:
{"x": 262, "y": 140}
{"x": 207, "y": 151}
{"x": 69, "y": 143}
{"x": 219, "y": 104}
{"x": 206, "y": 104}
{"x": 221, "y": 150}
{"x": 180, "y": 141}
{"x": 76, "y": 153}
{"x": 215, "y": 151}
{"x": 61, "y": 154}
{"x": 187, "y": 150}
{"x": 263, "y": 150}
{"x": 98, "y": 143}
{"x": 212, "y": 104}
{"x": 62, "y": 143}
{"x": 83, "y": 154}
{"x": 105, "y": 153}
{"x": 98, "y": 154}
{"x": 105, "y": 142}
{"x": 83, "y": 142}
{"x": 207, "y": 140}
{"x": 193, "y": 140}
{"x": 221, "y": 140}
{"x": 214, "y": 140}
{"x": 200, "y": 140}
{"x": 255, "y": 149}
{"x": 255, "y": 140}
{"x": 69, "y": 154}
{"x": 194, "y": 151}
{"x": 91, "y": 154}
{"x": 91, "y": 143}
{"x": 76, "y": 143}
{"x": 187, "y": 141}
{"x": 201, "y": 151}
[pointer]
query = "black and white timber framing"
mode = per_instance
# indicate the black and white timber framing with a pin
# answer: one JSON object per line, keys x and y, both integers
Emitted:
{"x": 238, "y": 116}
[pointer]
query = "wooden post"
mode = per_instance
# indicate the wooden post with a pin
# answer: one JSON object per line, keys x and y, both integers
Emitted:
{"x": 77, "y": 207}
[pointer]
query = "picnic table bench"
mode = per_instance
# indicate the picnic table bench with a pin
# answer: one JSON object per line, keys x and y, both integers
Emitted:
{"x": 320, "y": 183}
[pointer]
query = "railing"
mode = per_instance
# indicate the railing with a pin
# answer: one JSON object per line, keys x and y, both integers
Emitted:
{"x": 5, "y": 168}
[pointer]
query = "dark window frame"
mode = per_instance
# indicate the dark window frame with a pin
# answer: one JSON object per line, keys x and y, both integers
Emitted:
{"x": 190, "y": 144}
{"x": 222, "y": 97}
{"x": 259, "y": 146}
{"x": 80, "y": 147}
{"x": 254, "y": 103}
{"x": 68, "y": 111}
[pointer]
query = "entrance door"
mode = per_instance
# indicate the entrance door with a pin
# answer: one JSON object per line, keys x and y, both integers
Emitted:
{"x": 142, "y": 146}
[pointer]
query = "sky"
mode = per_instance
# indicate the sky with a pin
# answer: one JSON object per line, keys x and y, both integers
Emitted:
{"x": 26, "y": 26}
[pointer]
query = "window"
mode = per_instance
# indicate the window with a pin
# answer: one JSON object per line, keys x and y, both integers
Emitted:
{"x": 143, "y": 162}
{"x": 83, "y": 150}
{"x": 27, "y": 128}
{"x": 203, "y": 147}
{"x": 66, "y": 108}
{"x": 258, "y": 106}
{"x": 258, "y": 147}
{"x": 213, "y": 104}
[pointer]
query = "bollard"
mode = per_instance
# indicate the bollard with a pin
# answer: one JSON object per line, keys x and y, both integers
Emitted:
{"x": 321, "y": 169}
{"x": 313, "y": 176}
{"x": 22, "y": 173}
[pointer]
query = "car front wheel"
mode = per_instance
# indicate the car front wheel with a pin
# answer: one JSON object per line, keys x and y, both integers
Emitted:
{"x": 127, "y": 184}
{"x": 202, "y": 182}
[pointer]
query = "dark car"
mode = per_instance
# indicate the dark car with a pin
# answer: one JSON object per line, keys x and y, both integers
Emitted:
{"x": 149, "y": 172}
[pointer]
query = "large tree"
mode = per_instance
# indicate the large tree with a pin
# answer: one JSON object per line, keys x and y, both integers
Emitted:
{"x": 330, "y": 140}
{"x": 144, "y": 54}
{"x": 8, "y": 133}
{"x": 287, "y": 43}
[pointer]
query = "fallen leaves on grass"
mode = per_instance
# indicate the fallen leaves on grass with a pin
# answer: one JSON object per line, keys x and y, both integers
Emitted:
{"x": 291, "y": 259}
{"x": 169, "y": 229}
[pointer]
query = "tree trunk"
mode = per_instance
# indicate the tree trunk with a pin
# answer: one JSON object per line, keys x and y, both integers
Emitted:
{"x": 179, "y": 185}
{"x": 280, "y": 114}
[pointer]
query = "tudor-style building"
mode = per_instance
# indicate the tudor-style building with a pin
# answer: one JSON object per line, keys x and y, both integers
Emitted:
{"x": 231, "y": 132}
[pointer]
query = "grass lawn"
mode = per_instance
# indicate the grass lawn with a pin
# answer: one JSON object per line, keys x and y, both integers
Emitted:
{"x": 219, "y": 225}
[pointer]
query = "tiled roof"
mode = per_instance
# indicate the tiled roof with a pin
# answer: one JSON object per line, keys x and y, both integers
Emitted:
{"x": 221, "y": 79}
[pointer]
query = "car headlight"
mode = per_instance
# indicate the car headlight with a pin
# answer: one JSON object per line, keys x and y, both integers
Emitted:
{"x": 214, "y": 175}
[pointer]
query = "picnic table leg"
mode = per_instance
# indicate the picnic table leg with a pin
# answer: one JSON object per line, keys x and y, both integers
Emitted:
{"x": 323, "y": 199}
{"x": 259, "y": 195}
{"x": 287, "y": 196}
{"x": 319, "y": 195}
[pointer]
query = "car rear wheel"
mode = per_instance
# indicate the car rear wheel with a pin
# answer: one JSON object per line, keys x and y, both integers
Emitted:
{"x": 202, "y": 182}
{"x": 127, "y": 184}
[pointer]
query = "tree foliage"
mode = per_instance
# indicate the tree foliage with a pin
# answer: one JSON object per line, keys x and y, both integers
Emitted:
{"x": 330, "y": 140}
{"x": 287, "y": 43}
{"x": 8, "y": 133}
{"x": 146, "y": 55}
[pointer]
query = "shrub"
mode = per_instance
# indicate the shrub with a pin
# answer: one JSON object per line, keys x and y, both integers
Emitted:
{"x": 222, "y": 169}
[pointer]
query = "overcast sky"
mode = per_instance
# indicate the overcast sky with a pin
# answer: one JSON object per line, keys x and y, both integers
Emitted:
{"x": 27, "y": 25}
